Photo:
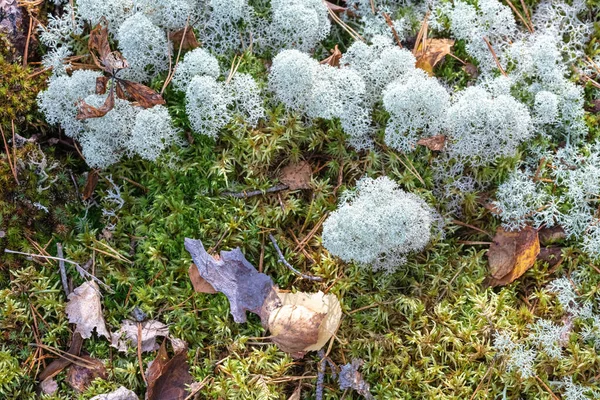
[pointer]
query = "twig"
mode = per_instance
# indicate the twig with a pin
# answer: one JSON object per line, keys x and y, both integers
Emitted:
{"x": 26, "y": 52}
{"x": 245, "y": 194}
{"x": 555, "y": 397}
{"x": 388, "y": 20}
{"x": 320, "y": 376}
{"x": 139, "y": 352}
{"x": 371, "y": 306}
{"x": 344, "y": 26}
{"x": 529, "y": 28}
{"x": 287, "y": 264}
{"x": 373, "y": 9}
{"x": 61, "y": 267}
{"x": 134, "y": 183}
{"x": 12, "y": 168}
{"x": 526, "y": 13}
{"x": 56, "y": 366}
{"x": 482, "y": 379}
{"x": 457, "y": 222}
{"x": 197, "y": 387}
{"x": 495, "y": 56}
{"x": 172, "y": 73}
{"x": 312, "y": 232}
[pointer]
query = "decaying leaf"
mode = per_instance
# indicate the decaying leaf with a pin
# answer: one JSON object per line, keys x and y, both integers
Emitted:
{"x": 335, "y": 8}
{"x": 85, "y": 111}
{"x": 189, "y": 40}
{"x": 121, "y": 393}
{"x": 551, "y": 255}
{"x": 101, "y": 83}
{"x": 435, "y": 50}
{"x": 168, "y": 378}
{"x": 80, "y": 377}
{"x": 551, "y": 235}
{"x": 511, "y": 254}
{"x": 85, "y": 310}
{"x": 434, "y": 143}
{"x": 142, "y": 94}
{"x": 295, "y": 328}
{"x": 351, "y": 378}
{"x": 98, "y": 42}
{"x": 297, "y": 393}
{"x": 90, "y": 184}
{"x": 127, "y": 336}
{"x": 245, "y": 287}
{"x": 334, "y": 58}
{"x": 327, "y": 305}
{"x": 471, "y": 70}
{"x": 48, "y": 386}
{"x": 199, "y": 283}
{"x": 296, "y": 176}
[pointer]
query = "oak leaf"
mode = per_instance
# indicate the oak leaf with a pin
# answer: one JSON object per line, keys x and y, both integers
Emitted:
{"x": 511, "y": 254}
{"x": 168, "y": 378}
{"x": 85, "y": 310}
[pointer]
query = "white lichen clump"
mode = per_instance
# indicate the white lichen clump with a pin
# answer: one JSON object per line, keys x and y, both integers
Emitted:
{"x": 197, "y": 62}
{"x": 378, "y": 224}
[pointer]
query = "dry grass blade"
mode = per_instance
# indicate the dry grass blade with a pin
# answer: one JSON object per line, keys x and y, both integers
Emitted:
{"x": 344, "y": 26}
{"x": 172, "y": 73}
{"x": 525, "y": 22}
{"x": 390, "y": 23}
{"x": 422, "y": 36}
{"x": 489, "y": 45}
{"x": 10, "y": 162}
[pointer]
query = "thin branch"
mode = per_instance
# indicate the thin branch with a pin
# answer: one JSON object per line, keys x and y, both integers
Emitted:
{"x": 529, "y": 28}
{"x": 61, "y": 267}
{"x": 489, "y": 45}
{"x": 12, "y": 168}
{"x": 172, "y": 73}
{"x": 26, "y": 52}
{"x": 388, "y": 20}
{"x": 287, "y": 264}
{"x": 245, "y": 194}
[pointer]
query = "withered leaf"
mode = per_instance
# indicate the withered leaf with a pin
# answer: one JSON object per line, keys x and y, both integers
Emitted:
{"x": 296, "y": 176}
{"x": 84, "y": 309}
{"x": 90, "y": 184}
{"x": 85, "y": 111}
{"x": 334, "y": 58}
{"x": 98, "y": 42}
{"x": 121, "y": 393}
{"x": 511, "y": 254}
{"x": 199, "y": 283}
{"x": 435, "y": 50}
{"x": 168, "y": 378}
{"x": 80, "y": 377}
{"x": 335, "y": 8}
{"x": 297, "y": 393}
{"x": 551, "y": 235}
{"x": 101, "y": 83}
{"x": 127, "y": 336}
{"x": 551, "y": 255}
{"x": 434, "y": 143}
{"x": 245, "y": 287}
{"x": 114, "y": 61}
{"x": 189, "y": 40}
{"x": 351, "y": 378}
{"x": 145, "y": 96}
{"x": 471, "y": 70}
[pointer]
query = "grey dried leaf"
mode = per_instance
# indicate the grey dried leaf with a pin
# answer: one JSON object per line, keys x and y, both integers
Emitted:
{"x": 84, "y": 309}
{"x": 127, "y": 336}
{"x": 351, "y": 378}
{"x": 121, "y": 393}
{"x": 245, "y": 287}
{"x": 48, "y": 386}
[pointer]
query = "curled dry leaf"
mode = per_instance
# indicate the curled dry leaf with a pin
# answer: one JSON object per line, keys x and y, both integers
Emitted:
{"x": 434, "y": 143}
{"x": 245, "y": 287}
{"x": 98, "y": 43}
{"x": 334, "y": 58}
{"x": 168, "y": 378}
{"x": 85, "y": 111}
{"x": 305, "y": 321}
{"x": 127, "y": 336}
{"x": 90, "y": 184}
{"x": 101, "y": 83}
{"x": 435, "y": 50}
{"x": 189, "y": 40}
{"x": 121, "y": 393}
{"x": 511, "y": 254}
{"x": 296, "y": 176}
{"x": 85, "y": 310}
{"x": 80, "y": 377}
{"x": 142, "y": 94}
{"x": 199, "y": 283}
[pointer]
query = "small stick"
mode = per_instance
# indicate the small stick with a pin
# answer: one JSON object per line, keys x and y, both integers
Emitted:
{"x": 61, "y": 267}
{"x": 245, "y": 194}
{"x": 457, "y": 222}
{"x": 495, "y": 56}
{"x": 26, "y": 52}
{"x": 172, "y": 73}
{"x": 373, "y": 10}
{"x": 134, "y": 183}
{"x": 12, "y": 168}
{"x": 312, "y": 232}
{"x": 482, "y": 379}
{"x": 388, "y": 20}
{"x": 527, "y": 13}
{"x": 529, "y": 28}
{"x": 287, "y": 264}
{"x": 555, "y": 397}
{"x": 139, "y": 352}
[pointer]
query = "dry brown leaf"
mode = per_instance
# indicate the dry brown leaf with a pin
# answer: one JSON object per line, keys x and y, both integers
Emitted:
{"x": 121, "y": 393}
{"x": 296, "y": 176}
{"x": 90, "y": 184}
{"x": 189, "y": 41}
{"x": 551, "y": 235}
{"x": 511, "y": 254}
{"x": 434, "y": 52}
{"x": 471, "y": 70}
{"x": 127, "y": 336}
{"x": 98, "y": 42}
{"x": 335, "y": 8}
{"x": 84, "y": 309}
{"x": 101, "y": 83}
{"x": 334, "y": 58}
{"x": 80, "y": 377}
{"x": 199, "y": 283}
{"x": 145, "y": 96}
{"x": 551, "y": 255}
{"x": 434, "y": 143}
{"x": 168, "y": 378}
{"x": 85, "y": 111}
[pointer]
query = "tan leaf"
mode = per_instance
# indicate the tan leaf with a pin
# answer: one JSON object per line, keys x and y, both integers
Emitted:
{"x": 127, "y": 336}
{"x": 80, "y": 377}
{"x": 511, "y": 254}
{"x": 114, "y": 61}
{"x": 199, "y": 283}
{"x": 85, "y": 111}
{"x": 145, "y": 96}
{"x": 335, "y": 8}
{"x": 434, "y": 52}
{"x": 297, "y": 393}
{"x": 334, "y": 58}
{"x": 296, "y": 176}
{"x": 306, "y": 321}
{"x": 90, "y": 184}
{"x": 98, "y": 42}
{"x": 168, "y": 378}
{"x": 189, "y": 41}
{"x": 101, "y": 83}
{"x": 121, "y": 393}
{"x": 84, "y": 309}
{"x": 434, "y": 143}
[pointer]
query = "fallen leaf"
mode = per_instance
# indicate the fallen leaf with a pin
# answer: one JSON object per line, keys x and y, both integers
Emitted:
{"x": 85, "y": 111}
{"x": 199, "y": 283}
{"x": 85, "y": 310}
{"x": 101, "y": 83}
{"x": 98, "y": 42}
{"x": 434, "y": 52}
{"x": 90, "y": 184}
{"x": 168, "y": 379}
{"x": 334, "y": 58}
{"x": 127, "y": 336}
{"x": 80, "y": 377}
{"x": 121, "y": 393}
{"x": 114, "y": 61}
{"x": 552, "y": 235}
{"x": 551, "y": 255}
{"x": 145, "y": 96}
{"x": 511, "y": 254}
{"x": 434, "y": 143}
{"x": 297, "y": 393}
{"x": 189, "y": 41}
{"x": 56, "y": 366}
{"x": 245, "y": 287}
{"x": 294, "y": 328}
{"x": 351, "y": 378}
{"x": 296, "y": 176}
{"x": 48, "y": 386}
{"x": 471, "y": 70}
{"x": 335, "y": 8}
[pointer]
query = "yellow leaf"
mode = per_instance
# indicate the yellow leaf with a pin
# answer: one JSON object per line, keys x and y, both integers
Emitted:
{"x": 435, "y": 50}
{"x": 511, "y": 254}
